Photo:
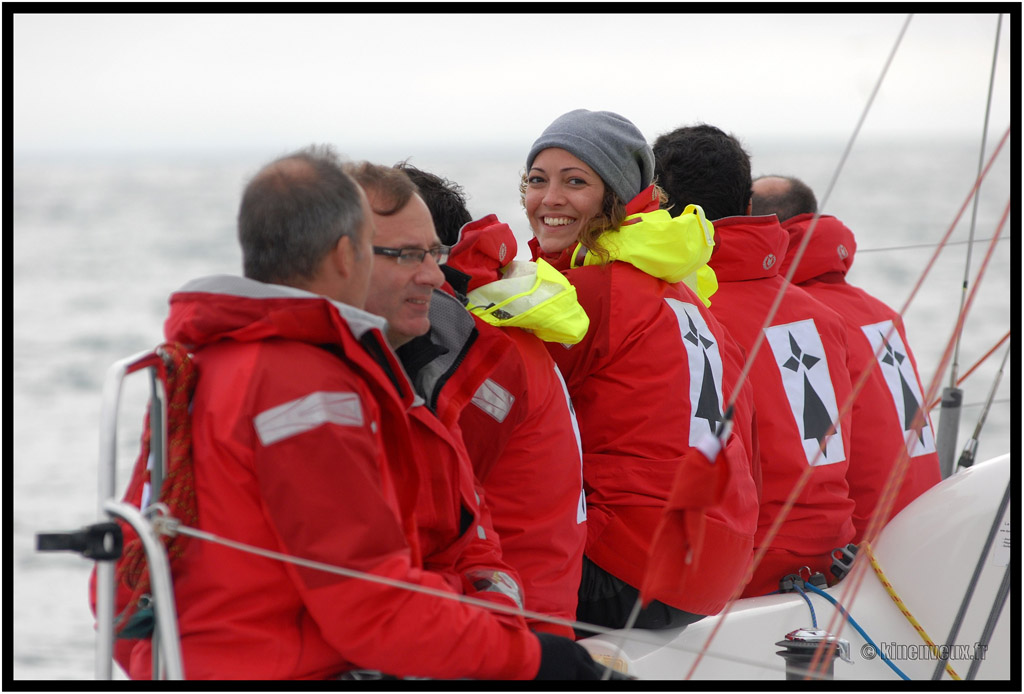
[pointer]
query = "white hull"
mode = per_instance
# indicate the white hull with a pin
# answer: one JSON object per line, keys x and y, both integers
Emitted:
{"x": 928, "y": 552}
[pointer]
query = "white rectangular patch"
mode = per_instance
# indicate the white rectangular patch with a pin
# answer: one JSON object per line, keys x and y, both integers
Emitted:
{"x": 800, "y": 357}
{"x": 704, "y": 360}
{"x": 308, "y": 412}
{"x": 894, "y": 363}
{"x": 494, "y": 400}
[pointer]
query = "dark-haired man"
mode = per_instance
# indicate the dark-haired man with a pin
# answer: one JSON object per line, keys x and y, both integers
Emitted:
{"x": 799, "y": 375}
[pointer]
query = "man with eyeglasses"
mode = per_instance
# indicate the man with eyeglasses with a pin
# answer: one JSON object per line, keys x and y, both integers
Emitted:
{"x": 518, "y": 426}
{"x": 405, "y": 274}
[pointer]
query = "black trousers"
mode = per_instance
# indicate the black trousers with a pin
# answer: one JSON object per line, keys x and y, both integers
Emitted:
{"x": 607, "y": 601}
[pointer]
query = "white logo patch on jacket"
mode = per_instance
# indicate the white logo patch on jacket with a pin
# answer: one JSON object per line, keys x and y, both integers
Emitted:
{"x": 306, "y": 413}
{"x": 494, "y": 399}
{"x": 803, "y": 367}
{"x": 895, "y": 365}
{"x": 705, "y": 362}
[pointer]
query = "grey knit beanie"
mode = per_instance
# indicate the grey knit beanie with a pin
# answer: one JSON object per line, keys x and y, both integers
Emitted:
{"x": 606, "y": 142}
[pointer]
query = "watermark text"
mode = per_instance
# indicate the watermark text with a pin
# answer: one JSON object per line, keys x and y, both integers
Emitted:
{"x": 920, "y": 651}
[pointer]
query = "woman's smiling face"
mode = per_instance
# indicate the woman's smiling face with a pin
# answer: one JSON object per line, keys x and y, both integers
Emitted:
{"x": 562, "y": 195}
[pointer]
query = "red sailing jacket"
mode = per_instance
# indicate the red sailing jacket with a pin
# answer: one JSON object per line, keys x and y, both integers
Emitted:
{"x": 522, "y": 439}
{"x": 524, "y": 445}
{"x": 648, "y": 382}
{"x": 800, "y": 382}
{"x": 885, "y": 408}
{"x": 302, "y": 445}
{"x": 455, "y": 533}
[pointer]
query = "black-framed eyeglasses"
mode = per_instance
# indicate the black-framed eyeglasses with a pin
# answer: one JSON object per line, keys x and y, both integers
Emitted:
{"x": 413, "y": 256}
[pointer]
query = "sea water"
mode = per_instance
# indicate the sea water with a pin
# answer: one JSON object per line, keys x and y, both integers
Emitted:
{"x": 101, "y": 241}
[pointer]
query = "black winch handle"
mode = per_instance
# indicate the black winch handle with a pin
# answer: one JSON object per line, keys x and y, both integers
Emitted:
{"x": 100, "y": 541}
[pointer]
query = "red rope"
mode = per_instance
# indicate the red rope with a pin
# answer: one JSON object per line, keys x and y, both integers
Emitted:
{"x": 178, "y": 488}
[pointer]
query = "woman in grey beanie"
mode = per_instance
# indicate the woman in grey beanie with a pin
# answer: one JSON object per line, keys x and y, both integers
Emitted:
{"x": 620, "y": 163}
{"x": 648, "y": 380}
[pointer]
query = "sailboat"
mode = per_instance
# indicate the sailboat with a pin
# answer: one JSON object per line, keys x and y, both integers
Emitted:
{"x": 928, "y": 599}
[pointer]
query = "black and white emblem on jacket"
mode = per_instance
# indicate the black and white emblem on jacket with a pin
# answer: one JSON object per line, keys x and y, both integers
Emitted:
{"x": 705, "y": 361}
{"x": 804, "y": 369}
{"x": 891, "y": 353}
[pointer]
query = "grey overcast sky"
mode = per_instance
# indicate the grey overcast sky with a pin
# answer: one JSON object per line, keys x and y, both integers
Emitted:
{"x": 236, "y": 81}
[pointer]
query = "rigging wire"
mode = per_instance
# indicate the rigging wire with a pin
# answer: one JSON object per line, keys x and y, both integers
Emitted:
{"x": 974, "y": 210}
{"x": 853, "y": 582}
{"x": 969, "y": 593}
{"x": 899, "y": 469}
{"x": 999, "y": 401}
{"x": 896, "y": 475}
{"x": 971, "y": 370}
{"x": 967, "y": 457}
{"x": 594, "y": 628}
{"x": 949, "y": 418}
{"x": 917, "y": 246}
{"x": 990, "y": 623}
{"x": 748, "y": 364}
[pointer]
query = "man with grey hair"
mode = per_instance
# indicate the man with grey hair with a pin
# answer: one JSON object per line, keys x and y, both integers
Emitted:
{"x": 301, "y": 445}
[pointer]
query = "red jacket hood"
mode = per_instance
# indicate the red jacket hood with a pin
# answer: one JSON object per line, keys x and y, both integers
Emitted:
{"x": 485, "y": 246}
{"x": 830, "y": 249}
{"x": 228, "y": 307}
{"x": 748, "y": 248}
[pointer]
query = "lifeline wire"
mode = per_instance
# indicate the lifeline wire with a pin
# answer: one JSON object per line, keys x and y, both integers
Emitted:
{"x": 170, "y": 526}
{"x": 802, "y": 481}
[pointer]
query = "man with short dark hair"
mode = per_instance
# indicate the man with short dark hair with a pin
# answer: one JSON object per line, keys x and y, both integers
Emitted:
{"x": 799, "y": 375}
{"x": 301, "y": 445}
{"x": 885, "y": 434}
{"x": 445, "y": 198}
